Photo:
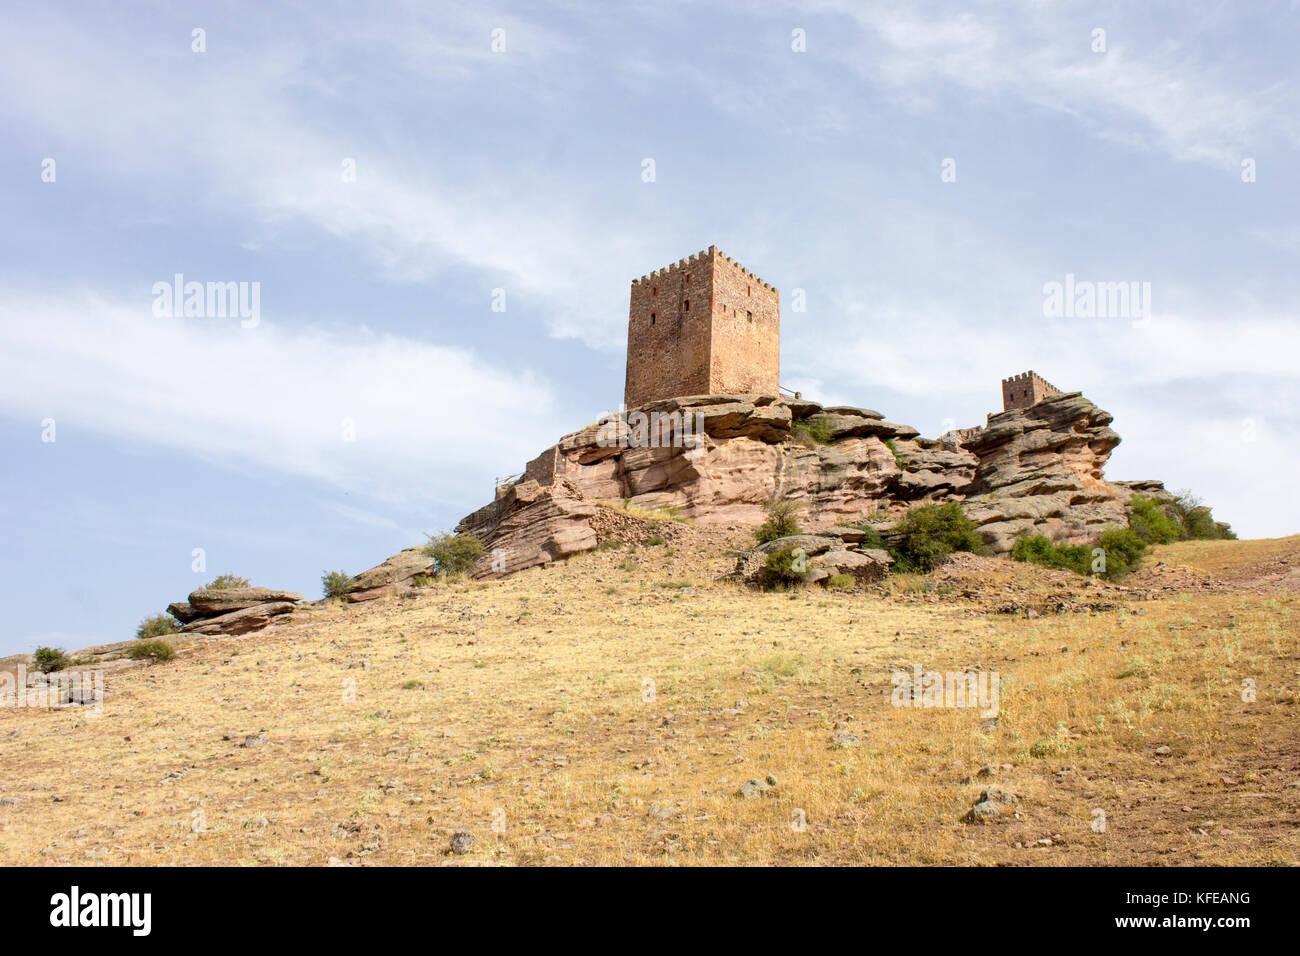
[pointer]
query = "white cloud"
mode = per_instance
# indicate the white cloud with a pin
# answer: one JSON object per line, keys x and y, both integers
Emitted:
{"x": 429, "y": 420}
{"x": 1145, "y": 89}
{"x": 414, "y": 213}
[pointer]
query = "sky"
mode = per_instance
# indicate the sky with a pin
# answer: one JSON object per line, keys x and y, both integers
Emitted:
{"x": 441, "y": 207}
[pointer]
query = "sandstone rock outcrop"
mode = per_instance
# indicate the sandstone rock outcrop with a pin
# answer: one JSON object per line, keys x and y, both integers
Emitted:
{"x": 1041, "y": 471}
{"x": 232, "y": 610}
{"x": 826, "y": 554}
{"x": 395, "y": 574}
{"x": 717, "y": 459}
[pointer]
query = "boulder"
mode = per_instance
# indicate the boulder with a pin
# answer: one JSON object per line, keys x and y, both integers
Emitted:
{"x": 828, "y": 554}
{"x": 183, "y": 611}
{"x": 532, "y": 525}
{"x": 394, "y": 574}
{"x": 206, "y": 602}
{"x": 240, "y": 621}
{"x": 864, "y": 566}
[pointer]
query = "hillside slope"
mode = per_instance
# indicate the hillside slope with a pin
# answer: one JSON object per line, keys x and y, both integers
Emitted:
{"x": 610, "y": 709}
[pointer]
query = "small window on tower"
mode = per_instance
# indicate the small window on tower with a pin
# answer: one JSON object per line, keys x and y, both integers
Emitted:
{"x": 654, "y": 290}
{"x": 686, "y": 305}
{"x": 652, "y": 318}
{"x": 750, "y": 316}
{"x": 746, "y": 290}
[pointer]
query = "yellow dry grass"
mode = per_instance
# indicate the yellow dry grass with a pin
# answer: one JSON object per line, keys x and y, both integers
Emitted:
{"x": 607, "y": 711}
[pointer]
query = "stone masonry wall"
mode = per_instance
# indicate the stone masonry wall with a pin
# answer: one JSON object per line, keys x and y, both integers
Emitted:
{"x": 745, "y": 357}
{"x": 668, "y": 332}
{"x": 702, "y": 326}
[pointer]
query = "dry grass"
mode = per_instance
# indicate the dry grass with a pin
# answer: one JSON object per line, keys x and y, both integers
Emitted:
{"x": 666, "y": 513}
{"x": 523, "y": 702}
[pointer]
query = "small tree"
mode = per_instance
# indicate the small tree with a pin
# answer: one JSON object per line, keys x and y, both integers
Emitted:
{"x": 335, "y": 583}
{"x": 782, "y": 521}
{"x": 1197, "y": 519}
{"x": 454, "y": 554}
{"x": 157, "y": 626}
{"x": 49, "y": 659}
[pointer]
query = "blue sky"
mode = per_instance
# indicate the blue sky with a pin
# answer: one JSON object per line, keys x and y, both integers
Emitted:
{"x": 522, "y": 169}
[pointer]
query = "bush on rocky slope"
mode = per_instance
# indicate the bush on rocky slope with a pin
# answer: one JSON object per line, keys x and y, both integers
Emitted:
{"x": 1112, "y": 555}
{"x": 929, "y": 534}
{"x": 454, "y": 554}
{"x": 51, "y": 659}
{"x": 782, "y": 521}
{"x": 157, "y": 626}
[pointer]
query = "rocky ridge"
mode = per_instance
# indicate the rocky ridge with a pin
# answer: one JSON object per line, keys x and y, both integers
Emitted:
{"x": 1038, "y": 470}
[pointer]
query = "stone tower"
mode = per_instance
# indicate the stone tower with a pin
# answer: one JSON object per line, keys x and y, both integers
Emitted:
{"x": 1025, "y": 389}
{"x": 703, "y": 326}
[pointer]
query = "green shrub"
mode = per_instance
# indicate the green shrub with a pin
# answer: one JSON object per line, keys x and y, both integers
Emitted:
{"x": 222, "y": 581}
{"x": 1198, "y": 520}
{"x": 899, "y": 459}
{"x": 654, "y": 541}
{"x": 454, "y": 554}
{"x": 782, "y": 521}
{"x": 840, "y": 582}
{"x": 1184, "y": 519}
{"x": 812, "y": 431}
{"x": 155, "y": 651}
{"x": 779, "y": 572}
{"x": 1151, "y": 522}
{"x": 48, "y": 659}
{"x": 930, "y": 533}
{"x": 335, "y": 583}
{"x": 1042, "y": 551}
{"x": 157, "y": 626}
{"x": 1124, "y": 549}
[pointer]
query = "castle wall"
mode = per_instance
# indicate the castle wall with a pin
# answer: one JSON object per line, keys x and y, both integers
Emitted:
{"x": 668, "y": 332}
{"x": 745, "y": 357}
{"x": 545, "y": 466}
{"x": 1026, "y": 389}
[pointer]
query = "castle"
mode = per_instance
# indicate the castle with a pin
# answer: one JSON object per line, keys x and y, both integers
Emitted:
{"x": 703, "y": 326}
{"x": 1026, "y": 389}
{"x": 706, "y": 325}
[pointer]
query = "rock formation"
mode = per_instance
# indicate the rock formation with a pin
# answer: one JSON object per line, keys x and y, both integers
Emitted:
{"x": 717, "y": 459}
{"x": 231, "y": 610}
